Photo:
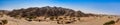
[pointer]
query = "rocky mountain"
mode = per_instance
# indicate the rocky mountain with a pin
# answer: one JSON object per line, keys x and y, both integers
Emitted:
{"x": 46, "y": 12}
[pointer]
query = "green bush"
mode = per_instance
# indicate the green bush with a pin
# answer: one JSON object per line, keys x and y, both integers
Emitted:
{"x": 109, "y": 23}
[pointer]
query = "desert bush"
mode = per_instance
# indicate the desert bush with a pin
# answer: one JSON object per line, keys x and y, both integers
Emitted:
{"x": 4, "y": 21}
{"x": 53, "y": 18}
{"x": 31, "y": 17}
{"x": 109, "y": 23}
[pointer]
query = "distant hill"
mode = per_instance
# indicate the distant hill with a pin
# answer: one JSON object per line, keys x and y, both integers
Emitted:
{"x": 46, "y": 11}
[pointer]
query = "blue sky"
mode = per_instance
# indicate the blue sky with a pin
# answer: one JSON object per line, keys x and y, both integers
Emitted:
{"x": 87, "y": 6}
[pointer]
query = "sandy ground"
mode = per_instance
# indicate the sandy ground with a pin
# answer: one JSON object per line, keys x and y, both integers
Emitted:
{"x": 84, "y": 21}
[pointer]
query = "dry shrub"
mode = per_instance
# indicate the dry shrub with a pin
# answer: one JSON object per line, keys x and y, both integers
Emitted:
{"x": 109, "y": 23}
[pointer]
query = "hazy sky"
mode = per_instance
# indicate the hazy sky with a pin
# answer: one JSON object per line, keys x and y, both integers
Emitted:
{"x": 87, "y": 6}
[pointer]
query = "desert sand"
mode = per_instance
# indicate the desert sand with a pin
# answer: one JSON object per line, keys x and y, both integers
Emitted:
{"x": 83, "y": 21}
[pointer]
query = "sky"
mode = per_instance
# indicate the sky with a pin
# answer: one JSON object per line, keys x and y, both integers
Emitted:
{"x": 111, "y": 7}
